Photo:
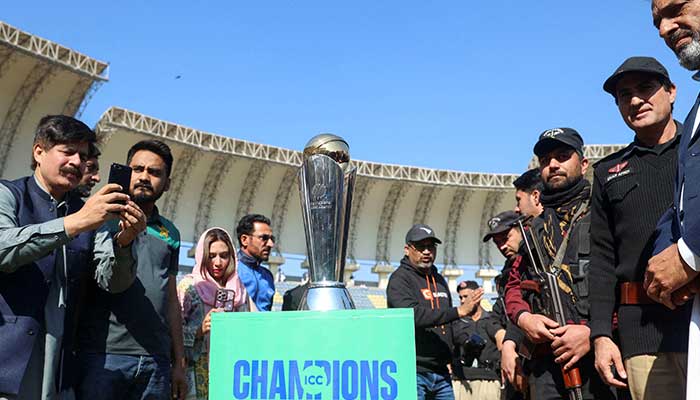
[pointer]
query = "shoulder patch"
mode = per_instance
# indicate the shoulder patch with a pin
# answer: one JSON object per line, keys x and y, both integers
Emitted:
{"x": 618, "y": 167}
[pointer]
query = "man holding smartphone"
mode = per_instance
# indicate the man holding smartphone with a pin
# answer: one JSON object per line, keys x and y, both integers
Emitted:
{"x": 131, "y": 343}
{"x": 47, "y": 243}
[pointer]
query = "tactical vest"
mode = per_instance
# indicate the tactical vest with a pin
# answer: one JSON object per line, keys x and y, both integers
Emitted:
{"x": 580, "y": 308}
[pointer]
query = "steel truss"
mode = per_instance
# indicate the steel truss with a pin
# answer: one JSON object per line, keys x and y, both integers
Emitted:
{"x": 119, "y": 117}
{"x": 52, "y": 53}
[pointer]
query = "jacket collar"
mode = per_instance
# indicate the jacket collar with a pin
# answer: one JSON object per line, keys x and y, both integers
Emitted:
{"x": 248, "y": 260}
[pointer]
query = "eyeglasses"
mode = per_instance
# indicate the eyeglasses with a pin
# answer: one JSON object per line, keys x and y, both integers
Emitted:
{"x": 421, "y": 247}
{"x": 265, "y": 238}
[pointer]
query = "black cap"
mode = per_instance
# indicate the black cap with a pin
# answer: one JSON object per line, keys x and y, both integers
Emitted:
{"x": 420, "y": 232}
{"x": 552, "y": 138}
{"x": 502, "y": 222}
{"x": 647, "y": 65}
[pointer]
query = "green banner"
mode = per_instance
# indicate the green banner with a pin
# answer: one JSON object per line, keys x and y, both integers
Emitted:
{"x": 353, "y": 354}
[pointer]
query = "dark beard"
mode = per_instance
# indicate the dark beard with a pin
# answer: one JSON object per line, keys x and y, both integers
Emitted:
{"x": 570, "y": 182}
{"x": 141, "y": 199}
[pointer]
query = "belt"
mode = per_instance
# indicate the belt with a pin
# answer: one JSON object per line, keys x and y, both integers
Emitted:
{"x": 634, "y": 293}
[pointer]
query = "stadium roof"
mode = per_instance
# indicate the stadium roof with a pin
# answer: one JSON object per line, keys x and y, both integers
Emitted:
{"x": 218, "y": 179}
{"x": 38, "y": 77}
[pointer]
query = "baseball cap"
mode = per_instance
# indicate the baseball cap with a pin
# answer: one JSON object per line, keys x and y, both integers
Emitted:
{"x": 502, "y": 222}
{"x": 552, "y": 138}
{"x": 647, "y": 65}
{"x": 420, "y": 232}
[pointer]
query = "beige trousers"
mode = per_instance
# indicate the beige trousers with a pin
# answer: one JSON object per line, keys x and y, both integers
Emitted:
{"x": 477, "y": 390}
{"x": 657, "y": 376}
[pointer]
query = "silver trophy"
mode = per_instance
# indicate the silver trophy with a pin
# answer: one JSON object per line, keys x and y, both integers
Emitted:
{"x": 326, "y": 182}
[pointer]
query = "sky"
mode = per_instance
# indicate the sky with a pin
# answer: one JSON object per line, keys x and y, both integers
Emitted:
{"x": 460, "y": 85}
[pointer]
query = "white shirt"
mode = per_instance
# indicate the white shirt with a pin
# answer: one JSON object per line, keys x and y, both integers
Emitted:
{"x": 687, "y": 255}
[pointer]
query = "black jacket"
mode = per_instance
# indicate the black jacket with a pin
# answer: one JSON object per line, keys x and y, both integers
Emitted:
{"x": 632, "y": 189}
{"x": 429, "y": 296}
{"x": 476, "y": 363}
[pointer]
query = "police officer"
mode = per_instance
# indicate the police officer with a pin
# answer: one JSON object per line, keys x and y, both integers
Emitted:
{"x": 477, "y": 336}
{"x": 631, "y": 189}
{"x": 504, "y": 233}
{"x": 565, "y": 199}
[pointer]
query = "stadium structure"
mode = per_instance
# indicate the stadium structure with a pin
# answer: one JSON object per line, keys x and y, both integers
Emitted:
{"x": 217, "y": 179}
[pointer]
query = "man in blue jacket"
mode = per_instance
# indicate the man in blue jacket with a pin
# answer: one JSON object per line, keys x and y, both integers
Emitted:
{"x": 48, "y": 244}
{"x": 256, "y": 240}
{"x": 672, "y": 274}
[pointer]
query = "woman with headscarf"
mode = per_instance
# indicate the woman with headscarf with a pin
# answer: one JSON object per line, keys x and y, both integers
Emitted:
{"x": 215, "y": 268}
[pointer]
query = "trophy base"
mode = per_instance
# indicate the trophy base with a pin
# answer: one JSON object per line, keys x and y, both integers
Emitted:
{"x": 325, "y": 297}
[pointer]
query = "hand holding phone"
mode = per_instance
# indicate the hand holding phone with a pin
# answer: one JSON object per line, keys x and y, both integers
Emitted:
{"x": 224, "y": 299}
{"x": 121, "y": 175}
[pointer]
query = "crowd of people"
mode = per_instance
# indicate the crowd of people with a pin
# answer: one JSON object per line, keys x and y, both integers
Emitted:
{"x": 596, "y": 293}
{"x": 90, "y": 307}
{"x": 89, "y": 301}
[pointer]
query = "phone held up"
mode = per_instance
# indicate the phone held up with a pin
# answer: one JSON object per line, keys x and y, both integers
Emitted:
{"x": 121, "y": 175}
{"x": 224, "y": 299}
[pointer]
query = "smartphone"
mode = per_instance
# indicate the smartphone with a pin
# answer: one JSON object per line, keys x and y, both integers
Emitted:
{"x": 121, "y": 175}
{"x": 224, "y": 299}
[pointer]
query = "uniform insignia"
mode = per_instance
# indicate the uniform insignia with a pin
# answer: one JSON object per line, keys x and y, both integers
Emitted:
{"x": 552, "y": 133}
{"x": 617, "y": 168}
{"x": 427, "y": 294}
{"x": 493, "y": 222}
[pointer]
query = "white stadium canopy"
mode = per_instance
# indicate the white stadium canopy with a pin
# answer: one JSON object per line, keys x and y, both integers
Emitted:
{"x": 218, "y": 179}
{"x": 38, "y": 77}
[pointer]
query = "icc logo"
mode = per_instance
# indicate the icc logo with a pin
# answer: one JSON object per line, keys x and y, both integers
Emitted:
{"x": 320, "y": 193}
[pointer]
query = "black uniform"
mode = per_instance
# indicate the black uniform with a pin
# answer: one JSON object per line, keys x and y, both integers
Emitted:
{"x": 632, "y": 189}
{"x": 475, "y": 345}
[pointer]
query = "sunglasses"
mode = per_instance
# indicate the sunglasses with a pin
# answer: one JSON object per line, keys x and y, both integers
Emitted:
{"x": 421, "y": 247}
{"x": 265, "y": 238}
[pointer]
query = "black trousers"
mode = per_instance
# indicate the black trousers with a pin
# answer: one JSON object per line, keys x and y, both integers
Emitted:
{"x": 547, "y": 382}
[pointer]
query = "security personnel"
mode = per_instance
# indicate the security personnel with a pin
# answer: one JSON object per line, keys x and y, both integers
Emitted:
{"x": 632, "y": 188}
{"x": 504, "y": 232}
{"x": 565, "y": 199}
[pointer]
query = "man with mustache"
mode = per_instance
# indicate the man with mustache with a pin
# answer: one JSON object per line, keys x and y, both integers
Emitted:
{"x": 256, "y": 240}
{"x": 672, "y": 274}
{"x": 632, "y": 188}
{"x": 131, "y": 344}
{"x": 565, "y": 199}
{"x": 48, "y": 245}
{"x": 91, "y": 177}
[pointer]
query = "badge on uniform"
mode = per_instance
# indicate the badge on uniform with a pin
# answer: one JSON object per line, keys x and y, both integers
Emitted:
{"x": 618, "y": 170}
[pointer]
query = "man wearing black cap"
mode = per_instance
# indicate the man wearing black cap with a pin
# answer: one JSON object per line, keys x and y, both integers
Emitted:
{"x": 506, "y": 236}
{"x": 565, "y": 199}
{"x": 417, "y": 284}
{"x": 632, "y": 188}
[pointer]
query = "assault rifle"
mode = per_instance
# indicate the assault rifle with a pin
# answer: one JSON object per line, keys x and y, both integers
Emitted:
{"x": 552, "y": 304}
